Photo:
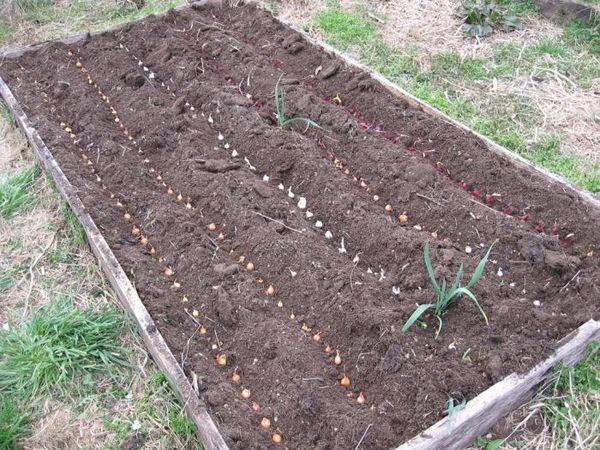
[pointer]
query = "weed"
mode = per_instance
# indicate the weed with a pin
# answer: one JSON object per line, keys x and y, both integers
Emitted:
{"x": 444, "y": 296}
{"x": 280, "y": 106}
{"x": 179, "y": 422}
{"x": 486, "y": 444}
{"x": 57, "y": 344}
{"x": 15, "y": 191}
{"x": 481, "y": 17}
{"x": 13, "y": 424}
{"x": 452, "y": 406}
{"x": 59, "y": 255}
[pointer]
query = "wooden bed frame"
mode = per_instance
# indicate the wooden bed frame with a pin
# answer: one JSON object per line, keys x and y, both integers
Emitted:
{"x": 454, "y": 432}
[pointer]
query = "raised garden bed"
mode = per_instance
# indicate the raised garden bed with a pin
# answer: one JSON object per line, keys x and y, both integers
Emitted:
{"x": 281, "y": 262}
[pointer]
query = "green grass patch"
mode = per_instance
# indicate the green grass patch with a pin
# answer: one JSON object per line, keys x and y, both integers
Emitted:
{"x": 73, "y": 228}
{"x": 345, "y": 29}
{"x": 584, "y": 35}
{"x": 6, "y": 31}
{"x": 547, "y": 154}
{"x": 15, "y": 191}
{"x": 13, "y": 424}
{"x": 549, "y": 48}
{"x": 390, "y": 61}
{"x": 157, "y": 406}
{"x": 56, "y": 346}
{"x": 178, "y": 421}
{"x": 520, "y": 7}
{"x": 4, "y": 111}
{"x": 60, "y": 256}
{"x": 452, "y": 65}
{"x": 9, "y": 277}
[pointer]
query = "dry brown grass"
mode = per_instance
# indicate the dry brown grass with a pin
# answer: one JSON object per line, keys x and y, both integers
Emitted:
{"x": 432, "y": 27}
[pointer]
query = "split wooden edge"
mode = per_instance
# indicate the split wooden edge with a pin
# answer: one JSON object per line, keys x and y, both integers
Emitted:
{"x": 451, "y": 433}
{"x": 126, "y": 293}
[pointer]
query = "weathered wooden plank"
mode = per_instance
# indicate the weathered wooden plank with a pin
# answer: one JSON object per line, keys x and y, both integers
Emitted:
{"x": 126, "y": 293}
{"x": 481, "y": 413}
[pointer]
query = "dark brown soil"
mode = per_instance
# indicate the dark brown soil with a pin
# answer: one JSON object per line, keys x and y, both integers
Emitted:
{"x": 194, "y": 96}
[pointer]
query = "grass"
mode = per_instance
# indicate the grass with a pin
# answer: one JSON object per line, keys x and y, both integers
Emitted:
{"x": 520, "y": 7}
{"x": 574, "y": 407}
{"x": 13, "y": 424}
{"x": 56, "y": 346}
{"x": 456, "y": 84}
{"x": 584, "y": 35}
{"x": 74, "y": 229}
{"x": 345, "y": 29}
{"x": 10, "y": 276}
{"x": 444, "y": 297}
{"x": 4, "y": 111}
{"x": 15, "y": 191}
{"x": 157, "y": 403}
{"x": 547, "y": 154}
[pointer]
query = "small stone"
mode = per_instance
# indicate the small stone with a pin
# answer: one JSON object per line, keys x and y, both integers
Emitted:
{"x": 468, "y": 249}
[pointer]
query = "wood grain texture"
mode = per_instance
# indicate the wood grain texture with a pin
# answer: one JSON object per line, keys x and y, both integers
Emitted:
{"x": 126, "y": 293}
